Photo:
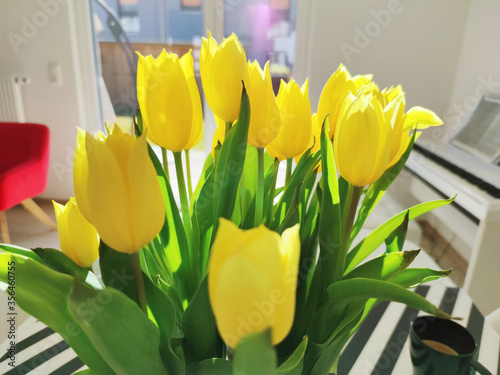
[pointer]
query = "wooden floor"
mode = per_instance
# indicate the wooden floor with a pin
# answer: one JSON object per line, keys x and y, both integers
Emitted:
{"x": 443, "y": 253}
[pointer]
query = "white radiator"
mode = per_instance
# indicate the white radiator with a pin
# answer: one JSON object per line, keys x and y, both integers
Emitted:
{"x": 11, "y": 101}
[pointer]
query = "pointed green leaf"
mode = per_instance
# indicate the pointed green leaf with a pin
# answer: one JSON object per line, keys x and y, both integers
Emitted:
{"x": 58, "y": 261}
{"x": 293, "y": 365}
{"x": 116, "y": 271}
{"x": 413, "y": 277}
{"x": 384, "y": 267}
{"x": 302, "y": 171}
{"x": 118, "y": 328}
{"x": 372, "y": 241}
{"x": 198, "y": 324}
{"x": 174, "y": 246}
{"x": 346, "y": 291}
{"x": 255, "y": 355}
{"x": 395, "y": 241}
{"x": 229, "y": 165}
{"x": 43, "y": 293}
{"x": 8, "y": 248}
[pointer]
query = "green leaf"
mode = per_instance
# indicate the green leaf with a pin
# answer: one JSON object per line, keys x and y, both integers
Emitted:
{"x": 43, "y": 293}
{"x": 395, "y": 241}
{"x": 302, "y": 171}
{"x": 255, "y": 355}
{"x": 207, "y": 169}
{"x": 330, "y": 263}
{"x": 20, "y": 251}
{"x": 174, "y": 246}
{"x": 116, "y": 271}
{"x": 164, "y": 314}
{"x": 198, "y": 324}
{"x": 58, "y": 261}
{"x": 384, "y": 267}
{"x": 293, "y": 365}
{"x": 85, "y": 372}
{"x": 346, "y": 291}
{"x": 372, "y": 241}
{"x": 215, "y": 366}
{"x": 377, "y": 190}
{"x": 118, "y": 328}
{"x": 229, "y": 165}
{"x": 413, "y": 277}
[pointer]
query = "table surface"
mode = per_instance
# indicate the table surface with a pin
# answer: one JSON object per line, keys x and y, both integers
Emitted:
{"x": 379, "y": 347}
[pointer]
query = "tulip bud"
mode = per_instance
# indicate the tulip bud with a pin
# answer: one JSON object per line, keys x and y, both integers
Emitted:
{"x": 169, "y": 100}
{"x": 222, "y": 69}
{"x": 296, "y": 127}
{"x": 332, "y": 97}
{"x": 265, "y": 120}
{"x": 121, "y": 191}
{"x": 252, "y": 281}
{"x": 78, "y": 239}
{"x": 362, "y": 142}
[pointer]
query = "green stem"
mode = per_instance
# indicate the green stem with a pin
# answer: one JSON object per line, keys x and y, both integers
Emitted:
{"x": 188, "y": 172}
{"x": 289, "y": 162}
{"x": 228, "y": 126}
{"x": 165, "y": 162}
{"x": 139, "y": 282}
{"x": 351, "y": 205}
{"x": 259, "y": 200}
{"x": 183, "y": 195}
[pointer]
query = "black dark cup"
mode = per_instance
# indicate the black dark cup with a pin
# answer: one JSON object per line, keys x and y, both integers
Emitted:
{"x": 430, "y": 361}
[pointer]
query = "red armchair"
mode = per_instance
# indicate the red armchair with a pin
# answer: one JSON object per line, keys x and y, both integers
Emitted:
{"x": 24, "y": 165}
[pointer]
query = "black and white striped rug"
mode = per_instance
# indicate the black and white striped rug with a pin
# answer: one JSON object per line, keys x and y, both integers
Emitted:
{"x": 379, "y": 347}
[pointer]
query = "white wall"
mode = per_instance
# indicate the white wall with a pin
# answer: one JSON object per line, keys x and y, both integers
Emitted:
{"x": 34, "y": 33}
{"x": 414, "y": 43}
{"x": 478, "y": 70}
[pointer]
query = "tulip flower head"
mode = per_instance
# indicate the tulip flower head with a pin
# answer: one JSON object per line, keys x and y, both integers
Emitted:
{"x": 265, "y": 119}
{"x": 169, "y": 100}
{"x": 252, "y": 281}
{"x": 336, "y": 89}
{"x": 222, "y": 69}
{"x": 78, "y": 238}
{"x": 296, "y": 126}
{"x": 120, "y": 189}
{"x": 362, "y": 140}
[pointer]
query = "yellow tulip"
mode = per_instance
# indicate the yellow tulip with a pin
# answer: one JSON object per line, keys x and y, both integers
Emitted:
{"x": 362, "y": 142}
{"x": 315, "y": 142}
{"x": 121, "y": 191}
{"x": 403, "y": 123}
{"x": 296, "y": 127}
{"x": 78, "y": 238}
{"x": 252, "y": 281}
{"x": 265, "y": 119}
{"x": 169, "y": 100}
{"x": 81, "y": 171}
{"x": 336, "y": 89}
{"x": 222, "y": 69}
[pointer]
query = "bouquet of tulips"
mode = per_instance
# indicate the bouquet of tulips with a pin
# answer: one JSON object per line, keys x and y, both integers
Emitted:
{"x": 247, "y": 276}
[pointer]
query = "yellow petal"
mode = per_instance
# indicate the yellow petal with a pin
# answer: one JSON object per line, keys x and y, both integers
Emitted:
{"x": 196, "y": 128}
{"x": 108, "y": 203}
{"x": 284, "y": 296}
{"x": 296, "y": 127}
{"x": 146, "y": 200}
{"x": 168, "y": 103}
{"x": 362, "y": 142}
{"x": 333, "y": 95}
{"x": 421, "y": 118}
{"x": 78, "y": 239}
{"x": 265, "y": 119}
{"x": 227, "y": 71}
{"x": 81, "y": 173}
